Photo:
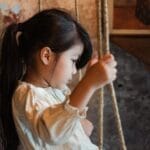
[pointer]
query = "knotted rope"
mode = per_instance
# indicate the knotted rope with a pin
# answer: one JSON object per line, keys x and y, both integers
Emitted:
{"x": 104, "y": 47}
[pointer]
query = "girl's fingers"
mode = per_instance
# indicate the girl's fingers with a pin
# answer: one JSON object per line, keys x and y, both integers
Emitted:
{"x": 92, "y": 62}
{"x": 107, "y": 58}
{"x": 112, "y": 63}
{"x": 114, "y": 74}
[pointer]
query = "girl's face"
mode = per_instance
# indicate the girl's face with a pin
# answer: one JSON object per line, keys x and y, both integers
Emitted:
{"x": 66, "y": 66}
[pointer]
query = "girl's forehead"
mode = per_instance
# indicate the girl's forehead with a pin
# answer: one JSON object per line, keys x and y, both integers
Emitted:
{"x": 75, "y": 50}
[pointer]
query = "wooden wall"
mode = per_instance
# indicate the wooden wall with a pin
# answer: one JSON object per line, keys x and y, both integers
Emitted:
{"x": 86, "y": 10}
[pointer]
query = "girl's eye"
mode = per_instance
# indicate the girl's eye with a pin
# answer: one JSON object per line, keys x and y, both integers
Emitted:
{"x": 74, "y": 61}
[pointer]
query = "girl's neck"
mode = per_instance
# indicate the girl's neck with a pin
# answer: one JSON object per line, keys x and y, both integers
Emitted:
{"x": 35, "y": 78}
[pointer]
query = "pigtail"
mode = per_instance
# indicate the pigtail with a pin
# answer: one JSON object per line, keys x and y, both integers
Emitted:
{"x": 10, "y": 71}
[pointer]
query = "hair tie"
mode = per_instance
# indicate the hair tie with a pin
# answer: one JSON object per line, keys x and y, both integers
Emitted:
{"x": 19, "y": 32}
{"x": 17, "y": 36}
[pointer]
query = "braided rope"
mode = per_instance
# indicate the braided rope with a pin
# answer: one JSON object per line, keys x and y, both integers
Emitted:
{"x": 101, "y": 92}
{"x": 104, "y": 26}
{"x": 78, "y": 19}
{"x": 103, "y": 46}
{"x": 77, "y": 10}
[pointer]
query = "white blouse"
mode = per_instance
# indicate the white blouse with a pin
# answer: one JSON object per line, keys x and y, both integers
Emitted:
{"x": 45, "y": 121}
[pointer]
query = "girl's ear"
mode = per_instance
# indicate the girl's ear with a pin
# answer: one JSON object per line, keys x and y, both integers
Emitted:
{"x": 46, "y": 55}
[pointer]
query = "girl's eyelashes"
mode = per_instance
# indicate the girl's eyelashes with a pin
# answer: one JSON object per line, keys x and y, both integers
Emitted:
{"x": 74, "y": 61}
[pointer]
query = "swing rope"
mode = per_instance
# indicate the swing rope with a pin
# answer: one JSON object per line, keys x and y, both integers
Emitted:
{"x": 78, "y": 19}
{"x": 101, "y": 92}
{"x": 103, "y": 46}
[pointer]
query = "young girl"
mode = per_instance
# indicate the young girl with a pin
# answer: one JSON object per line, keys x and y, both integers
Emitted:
{"x": 38, "y": 59}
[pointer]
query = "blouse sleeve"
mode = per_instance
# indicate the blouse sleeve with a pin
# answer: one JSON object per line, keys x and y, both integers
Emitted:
{"x": 54, "y": 124}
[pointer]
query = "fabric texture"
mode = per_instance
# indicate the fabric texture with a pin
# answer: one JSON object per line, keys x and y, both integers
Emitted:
{"x": 45, "y": 120}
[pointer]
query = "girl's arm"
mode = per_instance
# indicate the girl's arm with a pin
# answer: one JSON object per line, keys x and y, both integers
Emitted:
{"x": 98, "y": 75}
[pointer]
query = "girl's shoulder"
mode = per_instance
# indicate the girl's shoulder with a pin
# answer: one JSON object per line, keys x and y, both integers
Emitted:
{"x": 25, "y": 89}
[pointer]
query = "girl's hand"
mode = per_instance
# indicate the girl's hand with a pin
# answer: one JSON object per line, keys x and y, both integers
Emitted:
{"x": 101, "y": 72}
{"x": 87, "y": 126}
